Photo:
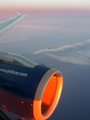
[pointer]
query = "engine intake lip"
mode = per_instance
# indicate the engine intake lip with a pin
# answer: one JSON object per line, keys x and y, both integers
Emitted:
{"x": 37, "y": 103}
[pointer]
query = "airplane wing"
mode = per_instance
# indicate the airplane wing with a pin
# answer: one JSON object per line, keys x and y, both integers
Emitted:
{"x": 6, "y": 25}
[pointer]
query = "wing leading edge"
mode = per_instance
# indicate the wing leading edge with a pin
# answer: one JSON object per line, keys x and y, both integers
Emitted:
{"x": 6, "y": 25}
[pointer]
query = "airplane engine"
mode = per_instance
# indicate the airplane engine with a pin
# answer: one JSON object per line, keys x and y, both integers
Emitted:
{"x": 28, "y": 89}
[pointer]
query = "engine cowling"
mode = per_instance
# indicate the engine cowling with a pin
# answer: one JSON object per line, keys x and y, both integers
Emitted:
{"x": 30, "y": 92}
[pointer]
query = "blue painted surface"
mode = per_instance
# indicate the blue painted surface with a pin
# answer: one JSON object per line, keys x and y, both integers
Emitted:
{"x": 21, "y": 86}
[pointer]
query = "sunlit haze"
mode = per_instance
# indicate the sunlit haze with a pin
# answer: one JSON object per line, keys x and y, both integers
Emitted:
{"x": 44, "y": 3}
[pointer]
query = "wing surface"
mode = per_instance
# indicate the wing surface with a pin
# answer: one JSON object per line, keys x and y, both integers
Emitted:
{"x": 6, "y": 25}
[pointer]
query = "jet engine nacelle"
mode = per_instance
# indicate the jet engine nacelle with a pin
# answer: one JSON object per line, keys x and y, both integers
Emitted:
{"x": 28, "y": 89}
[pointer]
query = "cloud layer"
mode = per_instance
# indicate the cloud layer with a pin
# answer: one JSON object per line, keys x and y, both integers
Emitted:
{"x": 75, "y": 59}
{"x": 79, "y": 57}
{"x": 36, "y": 27}
{"x": 61, "y": 48}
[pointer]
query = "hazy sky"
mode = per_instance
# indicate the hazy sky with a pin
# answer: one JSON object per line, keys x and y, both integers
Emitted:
{"x": 45, "y": 3}
{"x": 43, "y": 26}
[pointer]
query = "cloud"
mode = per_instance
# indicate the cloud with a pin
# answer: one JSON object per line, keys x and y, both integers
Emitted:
{"x": 51, "y": 28}
{"x": 37, "y": 27}
{"x": 61, "y": 48}
{"x": 75, "y": 59}
{"x": 85, "y": 53}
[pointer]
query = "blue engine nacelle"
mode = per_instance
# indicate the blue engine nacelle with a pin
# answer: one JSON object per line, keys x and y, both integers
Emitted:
{"x": 28, "y": 89}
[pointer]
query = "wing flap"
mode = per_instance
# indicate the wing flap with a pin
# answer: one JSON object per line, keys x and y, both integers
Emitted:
{"x": 6, "y": 25}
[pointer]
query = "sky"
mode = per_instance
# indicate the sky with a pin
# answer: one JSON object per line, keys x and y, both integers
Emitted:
{"x": 62, "y": 19}
{"x": 47, "y": 4}
{"x": 44, "y": 6}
